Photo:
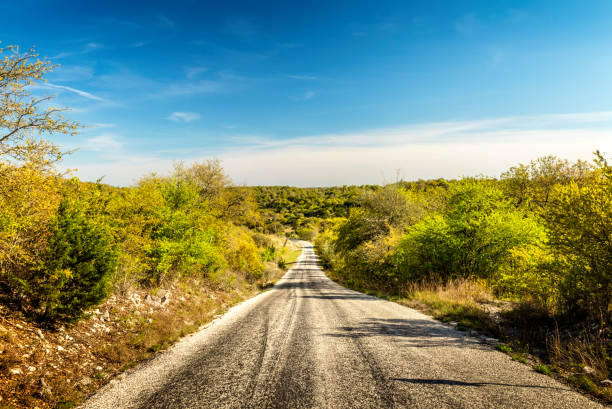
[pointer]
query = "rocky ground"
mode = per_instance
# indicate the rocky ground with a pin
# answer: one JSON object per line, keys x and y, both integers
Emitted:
{"x": 42, "y": 367}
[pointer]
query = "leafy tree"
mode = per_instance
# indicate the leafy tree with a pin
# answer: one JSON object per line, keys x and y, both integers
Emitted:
{"x": 22, "y": 116}
{"x": 75, "y": 267}
{"x": 579, "y": 220}
{"x": 473, "y": 237}
{"x": 531, "y": 185}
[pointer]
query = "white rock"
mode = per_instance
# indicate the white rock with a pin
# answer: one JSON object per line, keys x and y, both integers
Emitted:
{"x": 588, "y": 370}
{"x": 15, "y": 371}
{"x": 60, "y": 348}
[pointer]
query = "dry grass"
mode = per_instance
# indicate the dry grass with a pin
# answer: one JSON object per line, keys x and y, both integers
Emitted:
{"x": 458, "y": 301}
{"x": 57, "y": 369}
{"x": 584, "y": 358}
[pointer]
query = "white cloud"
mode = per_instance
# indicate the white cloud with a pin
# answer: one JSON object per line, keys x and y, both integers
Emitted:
{"x": 108, "y": 143}
{"x": 165, "y": 22}
{"x": 309, "y": 94}
{"x": 72, "y": 73}
{"x": 426, "y": 150}
{"x": 301, "y": 77}
{"x": 190, "y": 88}
{"x": 184, "y": 116}
{"x": 195, "y": 71}
{"x": 82, "y": 93}
{"x": 91, "y": 46}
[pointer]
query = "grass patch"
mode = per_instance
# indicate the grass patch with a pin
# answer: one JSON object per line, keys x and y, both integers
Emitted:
{"x": 464, "y": 302}
{"x": 292, "y": 256}
{"x": 585, "y": 383}
{"x": 455, "y": 301}
{"x": 507, "y": 349}
{"x": 543, "y": 369}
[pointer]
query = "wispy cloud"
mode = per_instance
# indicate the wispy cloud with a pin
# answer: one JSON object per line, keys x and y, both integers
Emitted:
{"x": 139, "y": 44}
{"x": 301, "y": 77}
{"x": 195, "y": 71}
{"x": 190, "y": 88}
{"x": 61, "y": 55}
{"x": 71, "y": 73}
{"x": 91, "y": 46}
{"x": 104, "y": 125}
{"x": 309, "y": 94}
{"x": 82, "y": 93}
{"x": 184, "y": 116}
{"x": 425, "y": 150}
{"x": 165, "y": 22}
{"x": 109, "y": 143}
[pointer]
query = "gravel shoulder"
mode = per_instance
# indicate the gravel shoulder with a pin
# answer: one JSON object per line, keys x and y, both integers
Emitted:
{"x": 309, "y": 342}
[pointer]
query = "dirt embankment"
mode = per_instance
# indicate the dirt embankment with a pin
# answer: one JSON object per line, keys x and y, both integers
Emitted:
{"x": 46, "y": 368}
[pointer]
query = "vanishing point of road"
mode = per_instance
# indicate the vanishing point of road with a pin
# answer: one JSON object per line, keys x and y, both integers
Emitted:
{"x": 310, "y": 343}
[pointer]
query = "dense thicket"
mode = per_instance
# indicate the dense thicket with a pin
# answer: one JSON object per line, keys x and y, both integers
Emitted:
{"x": 65, "y": 242}
{"x": 300, "y": 211}
{"x": 540, "y": 233}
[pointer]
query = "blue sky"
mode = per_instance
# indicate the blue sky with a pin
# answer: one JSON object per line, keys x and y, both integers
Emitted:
{"x": 324, "y": 93}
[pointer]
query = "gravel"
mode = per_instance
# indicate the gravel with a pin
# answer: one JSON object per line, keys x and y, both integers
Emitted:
{"x": 311, "y": 343}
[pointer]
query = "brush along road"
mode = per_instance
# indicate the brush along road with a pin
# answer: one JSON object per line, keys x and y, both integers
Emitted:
{"x": 310, "y": 343}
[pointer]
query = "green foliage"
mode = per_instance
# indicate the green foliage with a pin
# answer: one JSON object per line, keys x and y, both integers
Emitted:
{"x": 507, "y": 349}
{"x": 543, "y": 369}
{"x": 75, "y": 268}
{"x": 286, "y": 208}
{"x": 473, "y": 238}
{"x": 579, "y": 221}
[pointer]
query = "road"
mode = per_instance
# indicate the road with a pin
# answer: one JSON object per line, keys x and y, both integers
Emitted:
{"x": 310, "y": 343}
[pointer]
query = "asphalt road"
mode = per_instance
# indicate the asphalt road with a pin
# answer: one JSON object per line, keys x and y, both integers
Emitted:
{"x": 310, "y": 343}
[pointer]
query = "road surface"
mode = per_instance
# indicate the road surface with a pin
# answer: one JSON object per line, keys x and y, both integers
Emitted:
{"x": 310, "y": 343}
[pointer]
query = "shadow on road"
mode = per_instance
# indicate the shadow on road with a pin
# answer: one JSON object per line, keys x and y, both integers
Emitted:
{"x": 461, "y": 383}
{"x": 414, "y": 332}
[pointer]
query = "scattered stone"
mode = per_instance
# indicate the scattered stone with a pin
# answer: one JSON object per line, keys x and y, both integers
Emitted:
{"x": 40, "y": 334}
{"x": 69, "y": 338}
{"x": 43, "y": 389}
{"x": 98, "y": 368}
{"x": 60, "y": 348}
{"x": 97, "y": 311}
{"x": 588, "y": 370}
{"x": 85, "y": 381}
{"x": 105, "y": 316}
{"x": 606, "y": 383}
{"x": 149, "y": 320}
{"x": 16, "y": 371}
{"x": 158, "y": 300}
{"x": 31, "y": 368}
{"x": 135, "y": 299}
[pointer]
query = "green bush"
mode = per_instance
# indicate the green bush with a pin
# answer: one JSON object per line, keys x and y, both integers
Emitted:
{"x": 75, "y": 268}
{"x": 473, "y": 238}
{"x": 579, "y": 219}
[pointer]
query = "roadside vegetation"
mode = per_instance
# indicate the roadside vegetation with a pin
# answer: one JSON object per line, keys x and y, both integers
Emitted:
{"x": 526, "y": 257}
{"x": 94, "y": 278}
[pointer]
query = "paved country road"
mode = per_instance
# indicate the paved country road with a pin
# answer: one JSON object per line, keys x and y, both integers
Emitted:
{"x": 310, "y": 343}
